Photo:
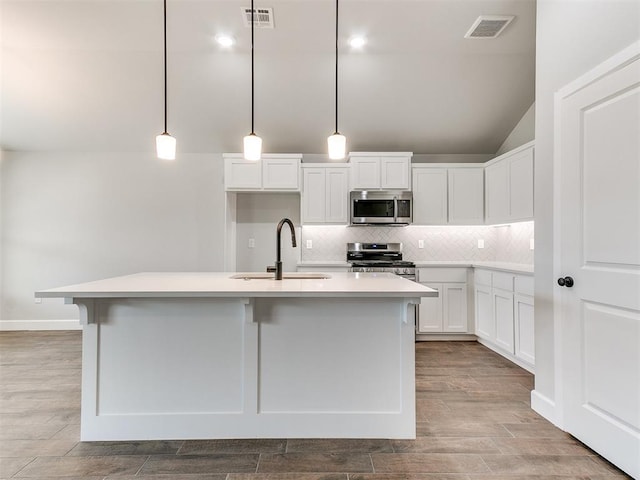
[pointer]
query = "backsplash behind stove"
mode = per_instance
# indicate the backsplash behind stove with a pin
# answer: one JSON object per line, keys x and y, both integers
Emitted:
{"x": 505, "y": 243}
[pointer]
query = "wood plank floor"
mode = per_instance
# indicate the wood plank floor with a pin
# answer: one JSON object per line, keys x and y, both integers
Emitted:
{"x": 474, "y": 423}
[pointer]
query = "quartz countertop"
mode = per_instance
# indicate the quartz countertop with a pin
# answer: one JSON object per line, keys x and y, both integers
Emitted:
{"x": 219, "y": 284}
{"x": 325, "y": 263}
{"x": 502, "y": 266}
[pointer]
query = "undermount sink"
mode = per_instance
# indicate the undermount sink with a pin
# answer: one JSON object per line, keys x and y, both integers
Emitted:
{"x": 285, "y": 276}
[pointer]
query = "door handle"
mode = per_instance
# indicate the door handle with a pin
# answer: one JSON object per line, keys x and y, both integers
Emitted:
{"x": 565, "y": 282}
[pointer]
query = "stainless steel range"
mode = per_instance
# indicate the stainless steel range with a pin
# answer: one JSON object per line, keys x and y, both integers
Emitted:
{"x": 380, "y": 257}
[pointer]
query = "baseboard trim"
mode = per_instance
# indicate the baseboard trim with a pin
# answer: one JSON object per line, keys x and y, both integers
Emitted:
{"x": 544, "y": 406}
{"x": 16, "y": 325}
{"x": 445, "y": 337}
{"x": 507, "y": 355}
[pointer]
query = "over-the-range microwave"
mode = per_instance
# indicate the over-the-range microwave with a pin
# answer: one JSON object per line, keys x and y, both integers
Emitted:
{"x": 376, "y": 207}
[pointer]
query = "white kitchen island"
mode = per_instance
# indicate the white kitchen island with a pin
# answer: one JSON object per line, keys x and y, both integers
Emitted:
{"x": 203, "y": 355}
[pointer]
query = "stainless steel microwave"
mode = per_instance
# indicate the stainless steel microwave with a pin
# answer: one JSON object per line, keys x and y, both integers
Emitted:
{"x": 375, "y": 207}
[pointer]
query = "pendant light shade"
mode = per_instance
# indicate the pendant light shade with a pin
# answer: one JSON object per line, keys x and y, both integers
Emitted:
{"x": 337, "y": 146}
{"x": 166, "y": 146}
{"x": 252, "y": 142}
{"x": 165, "y": 143}
{"x": 337, "y": 143}
{"x": 252, "y": 147}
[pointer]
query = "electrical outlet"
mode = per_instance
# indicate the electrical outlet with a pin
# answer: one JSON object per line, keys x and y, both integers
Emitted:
{"x": 252, "y": 243}
{"x": 480, "y": 243}
{"x": 531, "y": 244}
{"x": 309, "y": 243}
{"x": 420, "y": 243}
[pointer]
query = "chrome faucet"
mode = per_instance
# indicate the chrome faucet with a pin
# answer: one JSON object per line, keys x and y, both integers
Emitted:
{"x": 278, "y": 267}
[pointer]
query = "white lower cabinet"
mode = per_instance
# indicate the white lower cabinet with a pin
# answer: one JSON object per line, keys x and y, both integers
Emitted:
{"x": 524, "y": 327}
{"x": 485, "y": 326}
{"x": 446, "y": 313}
{"x": 504, "y": 314}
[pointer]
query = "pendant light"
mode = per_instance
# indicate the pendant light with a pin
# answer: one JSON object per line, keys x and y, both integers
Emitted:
{"x": 252, "y": 142}
{"x": 337, "y": 142}
{"x": 165, "y": 143}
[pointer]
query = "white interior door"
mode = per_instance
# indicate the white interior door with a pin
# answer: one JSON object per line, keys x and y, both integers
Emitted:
{"x": 598, "y": 150}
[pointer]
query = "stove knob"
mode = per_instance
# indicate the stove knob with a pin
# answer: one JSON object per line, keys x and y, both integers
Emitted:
{"x": 406, "y": 271}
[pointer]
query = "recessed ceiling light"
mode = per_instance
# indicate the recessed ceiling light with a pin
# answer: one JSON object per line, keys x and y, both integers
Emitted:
{"x": 357, "y": 42}
{"x": 225, "y": 40}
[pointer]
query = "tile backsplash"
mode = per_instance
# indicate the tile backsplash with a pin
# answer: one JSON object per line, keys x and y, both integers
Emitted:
{"x": 504, "y": 243}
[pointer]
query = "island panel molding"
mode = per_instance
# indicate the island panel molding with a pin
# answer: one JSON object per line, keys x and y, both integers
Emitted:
{"x": 162, "y": 360}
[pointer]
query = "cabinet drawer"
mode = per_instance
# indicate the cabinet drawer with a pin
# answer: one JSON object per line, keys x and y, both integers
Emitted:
{"x": 523, "y": 284}
{"x": 503, "y": 281}
{"x": 482, "y": 277}
{"x": 443, "y": 275}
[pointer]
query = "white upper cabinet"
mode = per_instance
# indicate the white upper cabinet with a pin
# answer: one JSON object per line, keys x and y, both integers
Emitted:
{"x": 241, "y": 174}
{"x": 325, "y": 193}
{"x": 429, "y": 187}
{"x": 380, "y": 170}
{"x": 466, "y": 196}
{"x": 509, "y": 186}
{"x": 448, "y": 195}
{"x": 497, "y": 192}
{"x": 275, "y": 172}
{"x": 521, "y": 185}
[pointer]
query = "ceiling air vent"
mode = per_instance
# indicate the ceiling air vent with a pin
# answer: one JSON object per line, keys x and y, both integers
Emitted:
{"x": 488, "y": 26}
{"x": 262, "y": 17}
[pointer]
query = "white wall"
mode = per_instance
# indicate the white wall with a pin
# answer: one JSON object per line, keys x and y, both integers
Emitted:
{"x": 572, "y": 38}
{"x": 523, "y": 132}
{"x": 70, "y": 218}
{"x": 258, "y": 215}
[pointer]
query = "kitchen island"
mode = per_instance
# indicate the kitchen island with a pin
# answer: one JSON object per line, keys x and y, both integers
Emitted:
{"x": 206, "y": 355}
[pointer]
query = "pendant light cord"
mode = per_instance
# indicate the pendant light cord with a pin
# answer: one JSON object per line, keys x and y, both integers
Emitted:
{"x": 336, "y": 66}
{"x": 252, "y": 103}
{"x": 165, "y": 66}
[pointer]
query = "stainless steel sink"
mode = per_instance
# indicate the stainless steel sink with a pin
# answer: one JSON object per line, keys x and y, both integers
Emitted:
{"x": 285, "y": 276}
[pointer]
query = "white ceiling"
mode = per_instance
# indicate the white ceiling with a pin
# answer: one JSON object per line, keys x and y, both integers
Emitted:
{"x": 87, "y": 75}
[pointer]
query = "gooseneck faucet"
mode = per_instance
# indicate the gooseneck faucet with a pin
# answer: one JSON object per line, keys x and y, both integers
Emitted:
{"x": 278, "y": 268}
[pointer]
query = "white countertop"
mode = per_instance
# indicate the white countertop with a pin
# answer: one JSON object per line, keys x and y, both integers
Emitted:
{"x": 324, "y": 263}
{"x": 218, "y": 284}
{"x": 523, "y": 268}
{"x": 502, "y": 266}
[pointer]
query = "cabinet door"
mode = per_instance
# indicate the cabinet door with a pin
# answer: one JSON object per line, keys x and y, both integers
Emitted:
{"x": 466, "y": 196}
{"x": 429, "y": 196}
{"x": 281, "y": 174}
{"x": 240, "y": 174}
{"x": 485, "y": 324}
{"x": 521, "y": 185}
{"x": 503, "y": 308}
{"x": 524, "y": 328}
{"x": 394, "y": 173}
{"x": 313, "y": 195}
{"x": 365, "y": 172}
{"x": 454, "y": 311}
{"x": 430, "y": 311}
{"x": 497, "y": 192}
{"x": 337, "y": 195}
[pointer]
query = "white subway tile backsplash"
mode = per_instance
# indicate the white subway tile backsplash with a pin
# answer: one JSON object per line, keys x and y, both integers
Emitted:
{"x": 509, "y": 243}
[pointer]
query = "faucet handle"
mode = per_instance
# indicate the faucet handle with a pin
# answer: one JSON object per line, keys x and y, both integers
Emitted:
{"x": 271, "y": 269}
